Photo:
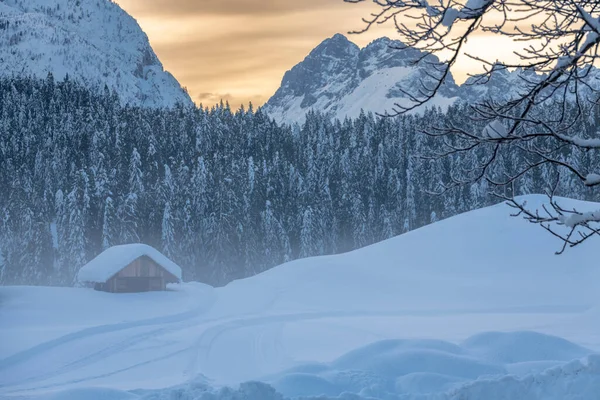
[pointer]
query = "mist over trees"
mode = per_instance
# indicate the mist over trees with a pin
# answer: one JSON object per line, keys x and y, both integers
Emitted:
{"x": 226, "y": 194}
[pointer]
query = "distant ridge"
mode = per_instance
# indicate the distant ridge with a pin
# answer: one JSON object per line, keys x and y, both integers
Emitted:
{"x": 93, "y": 41}
{"x": 340, "y": 79}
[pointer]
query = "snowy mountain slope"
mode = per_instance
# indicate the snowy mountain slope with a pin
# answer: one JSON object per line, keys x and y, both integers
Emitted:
{"x": 447, "y": 311}
{"x": 502, "y": 85}
{"x": 340, "y": 79}
{"x": 94, "y": 41}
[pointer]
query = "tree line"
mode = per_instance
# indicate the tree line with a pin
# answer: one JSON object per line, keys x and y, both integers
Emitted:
{"x": 225, "y": 193}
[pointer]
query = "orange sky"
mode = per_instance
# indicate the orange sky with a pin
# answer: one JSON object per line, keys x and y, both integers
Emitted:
{"x": 239, "y": 50}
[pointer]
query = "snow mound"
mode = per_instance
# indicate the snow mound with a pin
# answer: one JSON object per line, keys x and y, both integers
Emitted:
{"x": 398, "y": 363}
{"x": 397, "y": 345}
{"x": 480, "y": 261}
{"x": 579, "y": 380}
{"x": 394, "y": 367}
{"x": 519, "y": 347}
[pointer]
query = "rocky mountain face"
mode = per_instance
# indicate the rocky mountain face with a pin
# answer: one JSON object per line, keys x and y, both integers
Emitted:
{"x": 340, "y": 79}
{"x": 93, "y": 41}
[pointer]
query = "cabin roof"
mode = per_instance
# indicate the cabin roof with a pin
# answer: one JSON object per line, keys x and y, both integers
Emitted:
{"x": 111, "y": 261}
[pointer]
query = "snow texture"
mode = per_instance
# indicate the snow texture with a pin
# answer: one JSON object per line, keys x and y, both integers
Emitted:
{"x": 593, "y": 143}
{"x": 114, "y": 259}
{"x": 93, "y": 41}
{"x": 474, "y": 8}
{"x": 495, "y": 130}
{"x": 450, "y": 16}
{"x": 476, "y": 306}
{"x": 592, "y": 179}
{"x": 578, "y": 218}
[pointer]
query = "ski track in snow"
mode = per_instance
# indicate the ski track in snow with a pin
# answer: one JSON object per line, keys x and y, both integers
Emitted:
{"x": 210, "y": 332}
{"x": 172, "y": 322}
{"x": 35, "y": 351}
{"x": 311, "y": 312}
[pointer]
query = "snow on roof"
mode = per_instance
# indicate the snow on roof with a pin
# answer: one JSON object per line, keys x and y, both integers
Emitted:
{"x": 114, "y": 259}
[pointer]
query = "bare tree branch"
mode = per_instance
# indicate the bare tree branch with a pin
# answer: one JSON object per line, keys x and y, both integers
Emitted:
{"x": 556, "y": 43}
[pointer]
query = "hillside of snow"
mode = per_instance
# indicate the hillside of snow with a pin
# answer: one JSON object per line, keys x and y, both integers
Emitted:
{"x": 475, "y": 306}
{"x": 93, "y": 41}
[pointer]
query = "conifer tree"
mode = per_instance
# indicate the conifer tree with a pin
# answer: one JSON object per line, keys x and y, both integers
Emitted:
{"x": 226, "y": 195}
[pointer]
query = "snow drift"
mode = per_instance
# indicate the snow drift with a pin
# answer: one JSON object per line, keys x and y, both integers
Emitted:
{"x": 473, "y": 305}
{"x": 578, "y": 379}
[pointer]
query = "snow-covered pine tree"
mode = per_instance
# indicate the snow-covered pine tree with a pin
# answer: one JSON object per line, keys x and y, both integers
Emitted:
{"x": 80, "y": 166}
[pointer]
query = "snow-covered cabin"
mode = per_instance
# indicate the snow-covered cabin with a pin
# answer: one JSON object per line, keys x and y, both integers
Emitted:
{"x": 130, "y": 268}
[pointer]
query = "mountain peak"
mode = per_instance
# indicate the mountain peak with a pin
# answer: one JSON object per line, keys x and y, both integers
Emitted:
{"x": 340, "y": 79}
{"x": 382, "y": 41}
{"x": 333, "y": 59}
{"x": 340, "y": 38}
{"x": 337, "y": 46}
{"x": 92, "y": 41}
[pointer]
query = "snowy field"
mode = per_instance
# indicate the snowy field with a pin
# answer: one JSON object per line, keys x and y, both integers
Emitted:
{"x": 473, "y": 307}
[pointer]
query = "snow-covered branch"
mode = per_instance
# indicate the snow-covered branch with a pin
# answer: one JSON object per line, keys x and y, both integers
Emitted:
{"x": 556, "y": 53}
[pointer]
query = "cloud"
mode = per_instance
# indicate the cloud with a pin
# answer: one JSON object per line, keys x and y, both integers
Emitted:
{"x": 226, "y": 7}
{"x": 209, "y": 99}
{"x": 240, "y": 48}
{"x": 213, "y": 97}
